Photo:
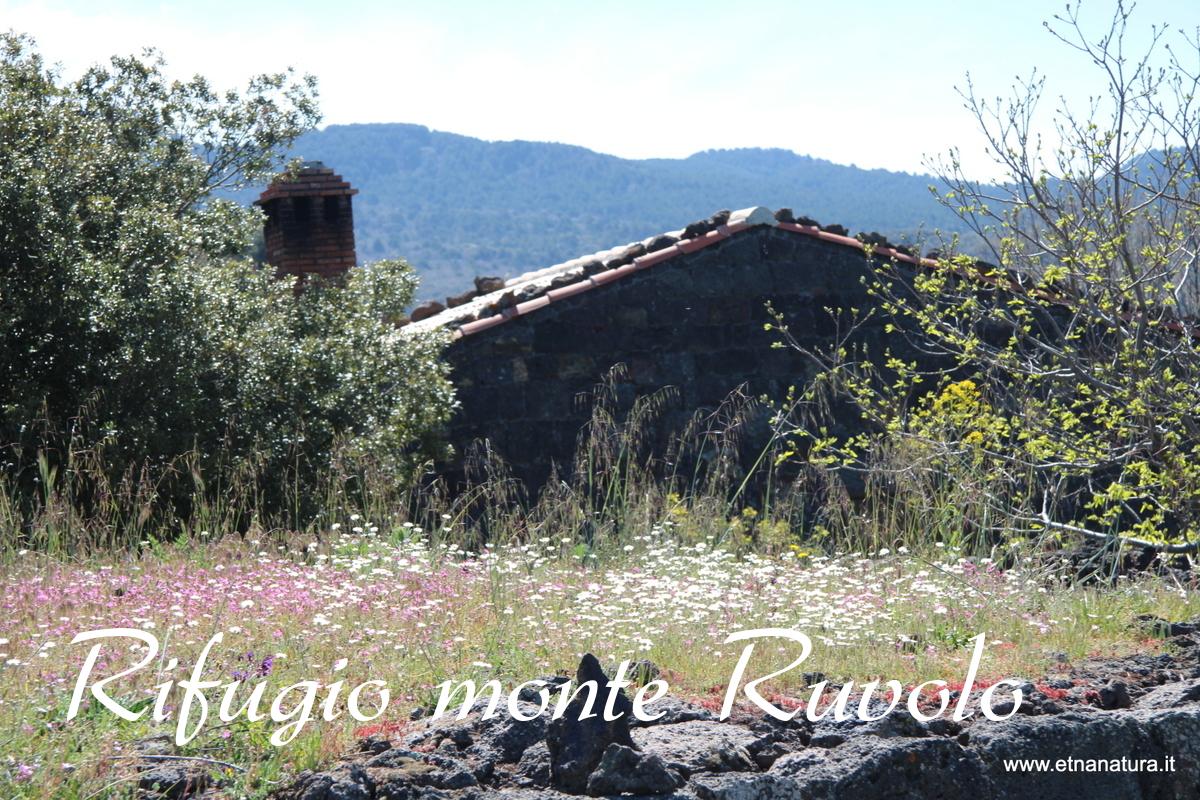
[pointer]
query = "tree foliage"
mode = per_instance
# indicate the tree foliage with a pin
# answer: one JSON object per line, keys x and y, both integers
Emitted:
{"x": 1071, "y": 363}
{"x": 134, "y": 324}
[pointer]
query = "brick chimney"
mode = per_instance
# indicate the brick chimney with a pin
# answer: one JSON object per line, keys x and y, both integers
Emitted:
{"x": 310, "y": 224}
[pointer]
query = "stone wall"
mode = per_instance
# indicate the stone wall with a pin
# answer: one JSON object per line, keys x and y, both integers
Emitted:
{"x": 694, "y": 321}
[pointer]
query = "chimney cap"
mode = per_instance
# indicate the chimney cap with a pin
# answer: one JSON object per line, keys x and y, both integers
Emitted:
{"x": 313, "y": 180}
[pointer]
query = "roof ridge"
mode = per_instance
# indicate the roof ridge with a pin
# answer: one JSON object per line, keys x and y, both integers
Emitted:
{"x": 472, "y": 312}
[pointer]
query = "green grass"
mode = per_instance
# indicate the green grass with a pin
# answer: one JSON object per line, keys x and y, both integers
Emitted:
{"x": 408, "y": 583}
{"x": 399, "y": 607}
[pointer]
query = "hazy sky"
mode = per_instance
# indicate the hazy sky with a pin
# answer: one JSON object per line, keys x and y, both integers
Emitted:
{"x": 868, "y": 83}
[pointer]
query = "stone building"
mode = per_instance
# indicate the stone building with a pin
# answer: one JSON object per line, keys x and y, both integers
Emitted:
{"x": 685, "y": 309}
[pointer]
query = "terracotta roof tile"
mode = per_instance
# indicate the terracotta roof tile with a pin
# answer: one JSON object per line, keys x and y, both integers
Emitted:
{"x": 700, "y": 242}
{"x": 535, "y": 290}
{"x": 564, "y": 292}
{"x": 480, "y": 325}
{"x": 611, "y": 275}
{"x": 649, "y": 260}
{"x": 533, "y": 305}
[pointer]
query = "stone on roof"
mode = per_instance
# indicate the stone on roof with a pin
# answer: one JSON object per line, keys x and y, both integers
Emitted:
{"x": 495, "y": 300}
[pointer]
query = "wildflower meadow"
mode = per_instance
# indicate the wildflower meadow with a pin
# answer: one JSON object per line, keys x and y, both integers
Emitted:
{"x": 370, "y": 599}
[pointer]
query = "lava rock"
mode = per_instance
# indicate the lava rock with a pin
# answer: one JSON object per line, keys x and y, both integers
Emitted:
{"x": 374, "y": 745}
{"x": 874, "y": 239}
{"x": 529, "y": 694}
{"x": 754, "y": 757}
{"x": 486, "y": 284}
{"x": 777, "y": 738}
{"x": 635, "y": 250}
{"x": 460, "y": 299}
{"x": 1096, "y": 735}
{"x": 534, "y": 766}
{"x": 700, "y": 746}
{"x": 427, "y": 310}
{"x": 660, "y": 242}
{"x": 564, "y": 280}
{"x": 577, "y": 745}
{"x": 500, "y": 738}
{"x": 623, "y": 770}
{"x": 1115, "y": 695}
{"x": 1172, "y": 695}
{"x": 350, "y": 782}
{"x": 174, "y": 781}
{"x": 673, "y": 711}
{"x": 872, "y": 768}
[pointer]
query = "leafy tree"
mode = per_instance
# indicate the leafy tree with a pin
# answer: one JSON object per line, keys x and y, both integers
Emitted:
{"x": 1068, "y": 398}
{"x": 134, "y": 323}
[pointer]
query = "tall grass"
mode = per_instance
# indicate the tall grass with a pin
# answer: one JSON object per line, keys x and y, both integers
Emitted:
{"x": 668, "y": 542}
{"x": 712, "y": 478}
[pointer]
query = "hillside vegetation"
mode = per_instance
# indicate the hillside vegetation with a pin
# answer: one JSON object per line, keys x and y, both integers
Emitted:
{"x": 456, "y": 207}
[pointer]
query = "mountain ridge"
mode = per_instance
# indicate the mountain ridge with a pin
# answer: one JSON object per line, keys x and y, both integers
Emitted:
{"x": 456, "y": 206}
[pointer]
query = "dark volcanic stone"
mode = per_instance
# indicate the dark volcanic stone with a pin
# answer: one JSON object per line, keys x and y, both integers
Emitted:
{"x": 534, "y": 766}
{"x": 872, "y": 768}
{"x": 1115, "y": 695}
{"x": 1172, "y": 695}
{"x": 577, "y": 745}
{"x": 1096, "y": 735}
{"x": 530, "y": 694}
{"x": 502, "y": 738}
{"x": 427, "y": 310}
{"x": 618, "y": 260}
{"x": 460, "y": 299}
{"x": 660, "y": 242}
{"x": 1169, "y": 630}
{"x": 349, "y": 783}
{"x": 177, "y": 780}
{"x": 758, "y": 758}
{"x": 874, "y": 238}
{"x": 673, "y": 711}
{"x": 374, "y": 745}
{"x": 486, "y": 283}
{"x": 700, "y": 746}
{"x": 423, "y": 769}
{"x": 776, "y": 738}
{"x": 633, "y": 251}
{"x": 623, "y": 770}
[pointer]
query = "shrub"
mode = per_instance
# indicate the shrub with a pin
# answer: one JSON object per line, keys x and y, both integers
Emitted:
{"x": 137, "y": 330}
{"x": 1082, "y": 337}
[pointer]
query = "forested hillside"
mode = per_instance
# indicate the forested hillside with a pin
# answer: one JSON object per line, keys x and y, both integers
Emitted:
{"x": 456, "y": 207}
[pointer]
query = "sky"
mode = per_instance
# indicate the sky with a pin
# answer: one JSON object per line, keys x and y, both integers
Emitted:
{"x": 869, "y": 83}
